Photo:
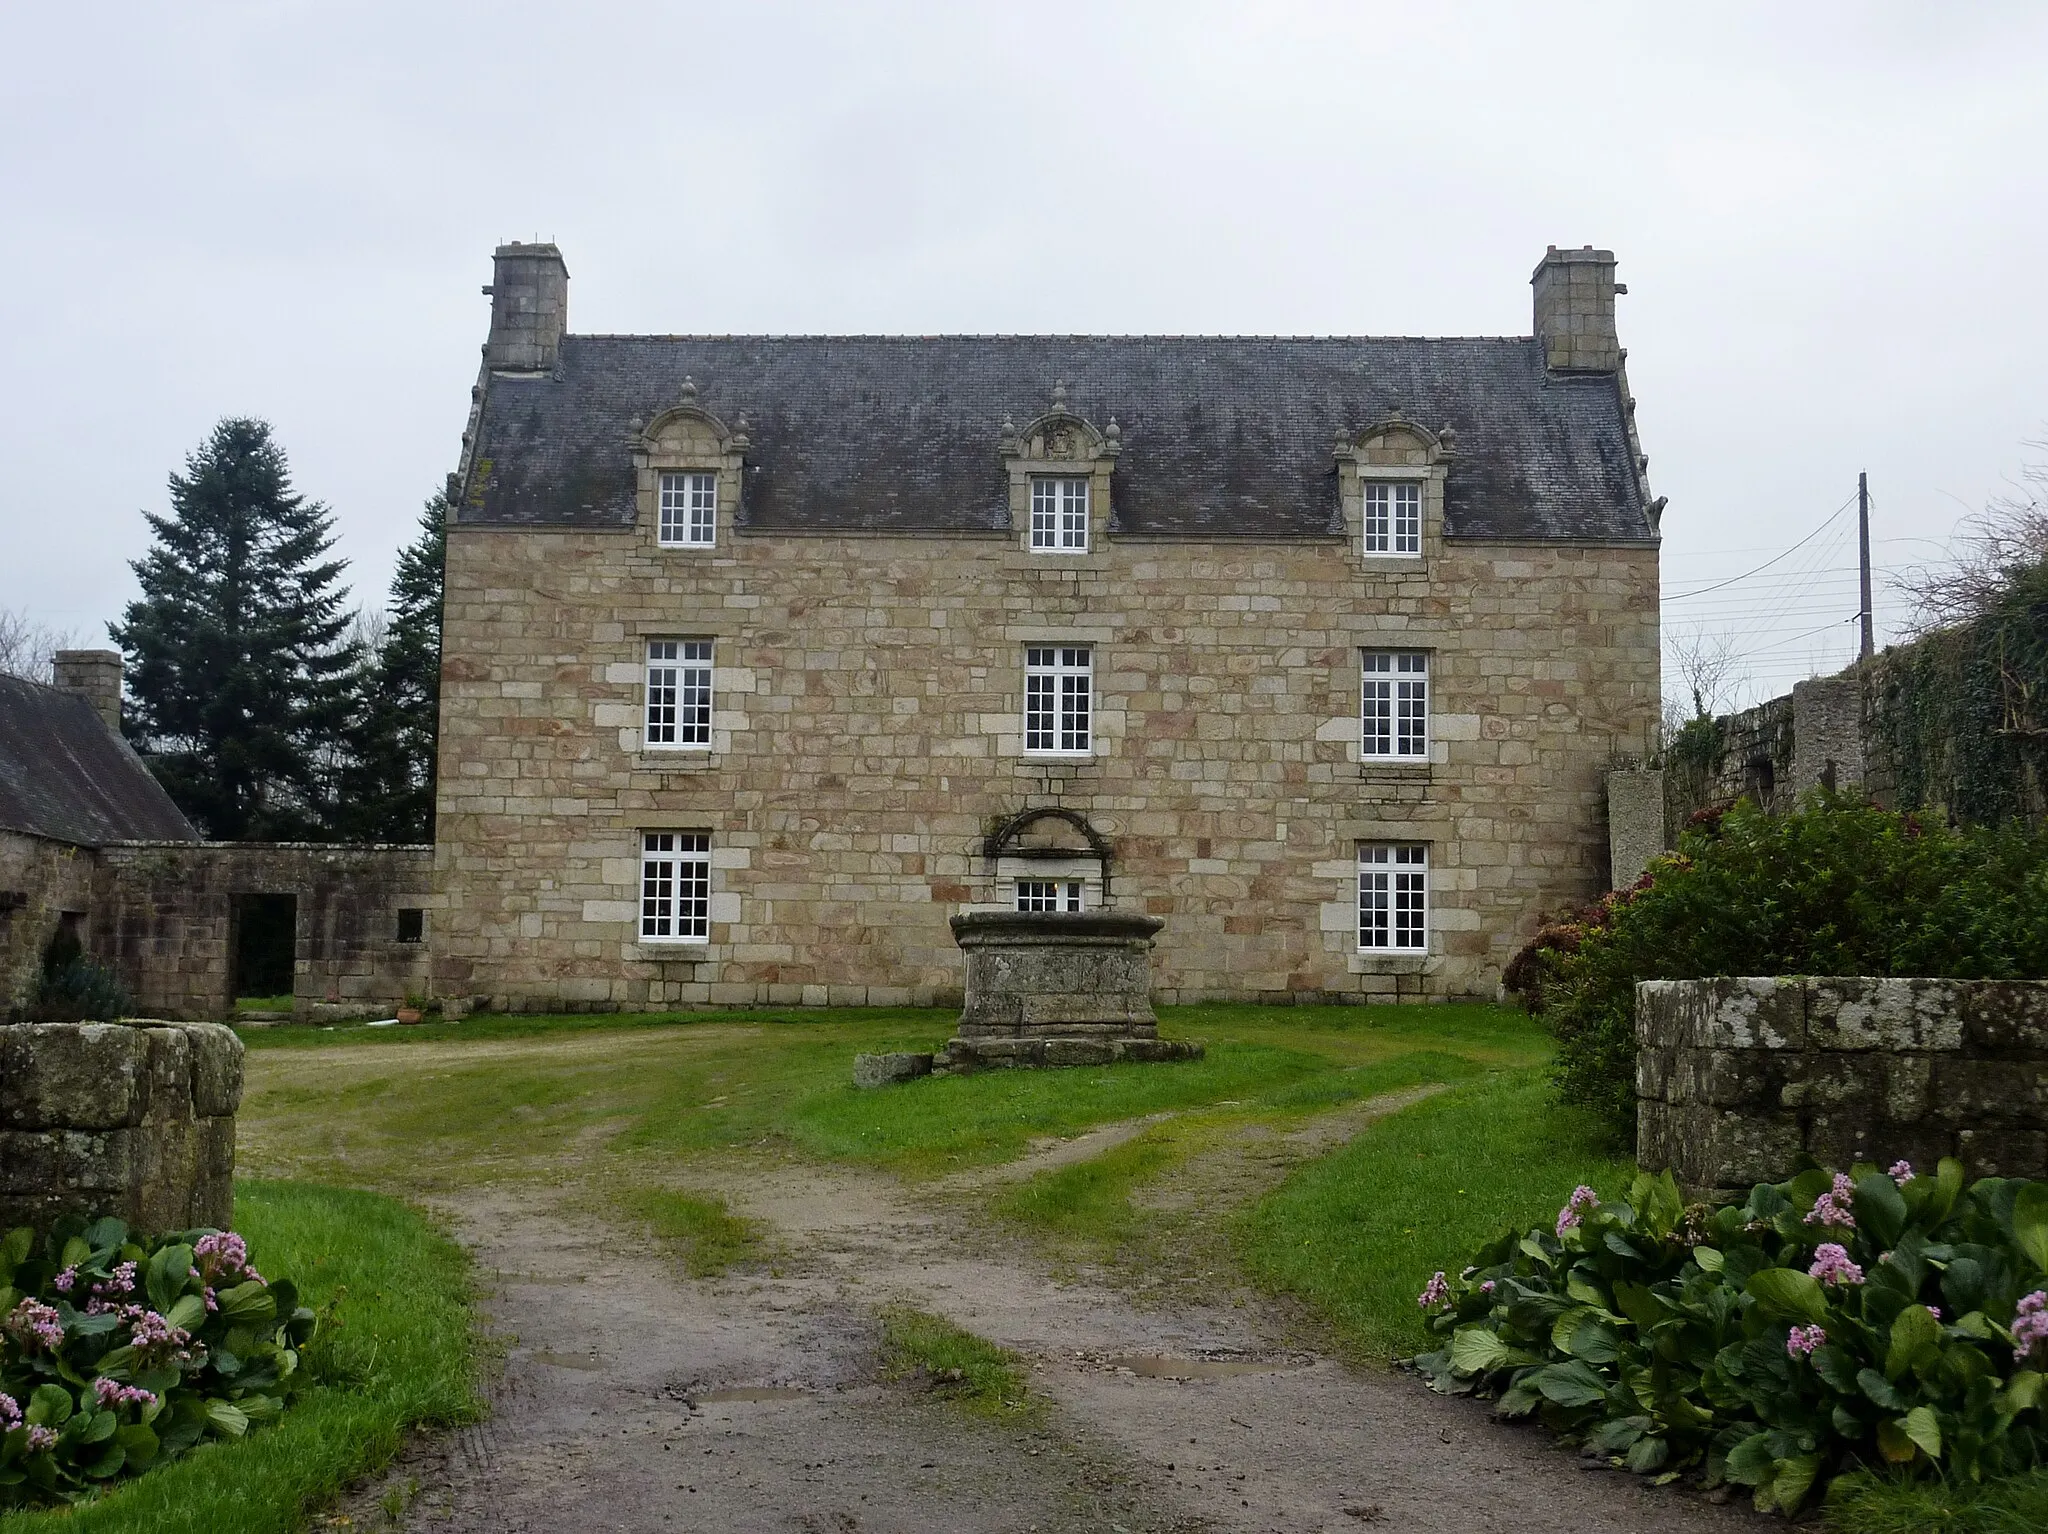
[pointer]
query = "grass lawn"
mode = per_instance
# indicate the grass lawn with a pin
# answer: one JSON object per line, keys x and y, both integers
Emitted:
{"x": 401, "y": 1356}
{"x": 2017, "y": 1505}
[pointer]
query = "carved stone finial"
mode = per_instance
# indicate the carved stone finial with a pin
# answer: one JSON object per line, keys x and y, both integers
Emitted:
{"x": 1397, "y": 414}
{"x": 1447, "y": 435}
{"x": 689, "y": 390}
{"x": 636, "y": 425}
{"x": 1114, "y": 433}
{"x": 741, "y": 437}
{"x": 1343, "y": 444}
{"x": 1059, "y": 394}
{"x": 1009, "y": 426}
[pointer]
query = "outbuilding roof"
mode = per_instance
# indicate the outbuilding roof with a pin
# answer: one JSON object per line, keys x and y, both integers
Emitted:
{"x": 66, "y": 776}
{"x": 1223, "y": 437}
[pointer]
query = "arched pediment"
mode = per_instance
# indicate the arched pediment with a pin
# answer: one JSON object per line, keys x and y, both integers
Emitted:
{"x": 1396, "y": 439}
{"x": 1049, "y": 833}
{"x": 687, "y": 425}
{"x": 1061, "y": 435}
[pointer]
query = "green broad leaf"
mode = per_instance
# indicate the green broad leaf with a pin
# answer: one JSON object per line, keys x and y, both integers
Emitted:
{"x": 79, "y": 1325}
{"x": 1836, "y": 1366}
{"x": 1880, "y": 1209}
{"x": 1924, "y": 1429}
{"x": 99, "y": 1428}
{"x": 1789, "y": 1292}
{"x": 2030, "y": 1223}
{"x": 2024, "y": 1391}
{"x": 1966, "y": 1284}
{"x": 1637, "y": 1303}
{"x": 138, "y": 1443}
{"x": 1571, "y": 1384}
{"x": 1751, "y": 1462}
{"x": 106, "y": 1235}
{"x": 107, "y": 1463}
{"x": 260, "y": 1408}
{"x": 1616, "y": 1434}
{"x": 1592, "y": 1339}
{"x": 189, "y": 1314}
{"x": 1657, "y": 1202}
{"x": 1647, "y": 1455}
{"x": 247, "y": 1304}
{"x": 226, "y": 1419}
{"x": 76, "y": 1250}
{"x": 1947, "y": 1187}
{"x": 284, "y": 1295}
{"x": 14, "y": 1249}
{"x": 1519, "y": 1399}
{"x": 1585, "y": 1290}
{"x": 1621, "y": 1246}
{"x": 1709, "y": 1259}
{"x": 1532, "y": 1247}
{"x": 1793, "y": 1480}
{"x": 1914, "y": 1332}
{"x": 170, "y": 1270}
{"x": 1478, "y": 1350}
{"x": 1879, "y": 1390}
{"x": 1847, "y": 1423}
{"x": 48, "y": 1406}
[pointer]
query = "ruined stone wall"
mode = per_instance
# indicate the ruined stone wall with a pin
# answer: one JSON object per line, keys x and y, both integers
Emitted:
{"x": 869, "y": 692}
{"x": 133, "y": 1120}
{"x": 1737, "y": 1078}
{"x": 40, "y": 880}
{"x": 163, "y": 916}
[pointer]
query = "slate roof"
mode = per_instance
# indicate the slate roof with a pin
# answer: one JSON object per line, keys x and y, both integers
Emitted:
{"x": 66, "y": 776}
{"x": 1223, "y": 436}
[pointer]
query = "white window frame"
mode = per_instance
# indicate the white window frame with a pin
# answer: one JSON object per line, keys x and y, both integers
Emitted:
{"x": 675, "y": 886}
{"x": 1059, "y": 515}
{"x": 1064, "y": 895}
{"x": 1393, "y": 518}
{"x": 1059, "y": 699}
{"x": 1393, "y": 706}
{"x": 689, "y": 509}
{"x": 677, "y": 716}
{"x": 1393, "y": 897}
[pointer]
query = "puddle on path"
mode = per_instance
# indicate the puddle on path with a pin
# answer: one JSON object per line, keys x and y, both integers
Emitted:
{"x": 568, "y": 1360}
{"x": 1157, "y": 1366}
{"x": 751, "y": 1393}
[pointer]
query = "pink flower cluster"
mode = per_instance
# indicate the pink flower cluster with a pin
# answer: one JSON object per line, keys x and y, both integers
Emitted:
{"x": 1834, "y": 1206}
{"x": 1831, "y": 1265}
{"x": 113, "y": 1393}
{"x": 41, "y": 1438}
{"x": 149, "y": 1330}
{"x": 2030, "y": 1324}
{"x": 31, "y": 1324}
{"x": 1582, "y": 1199}
{"x": 224, "y": 1255}
{"x": 1902, "y": 1172}
{"x": 10, "y": 1413}
{"x": 63, "y": 1281}
{"x": 120, "y": 1281}
{"x": 1804, "y": 1340}
{"x": 1435, "y": 1293}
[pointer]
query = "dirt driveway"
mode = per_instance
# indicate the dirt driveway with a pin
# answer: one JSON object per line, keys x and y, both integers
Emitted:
{"x": 636, "y": 1399}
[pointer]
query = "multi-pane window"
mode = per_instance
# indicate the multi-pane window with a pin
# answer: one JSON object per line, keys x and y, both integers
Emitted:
{"x": 1059, "y": 515}
{"x": 1393, "y": 517}
{"x": 1394, "y": 718}
{"x": 1058, "y": 698}
{"x": 678, "y": 693}
{"x": 675, "y": 886}
{"x": 1393, "y": 897}
{"x": 1048, "y": 894}
{"x": 689, "y": 510}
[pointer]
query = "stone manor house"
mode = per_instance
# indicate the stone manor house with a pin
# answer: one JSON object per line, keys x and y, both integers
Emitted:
{"x": 765, "y": 655}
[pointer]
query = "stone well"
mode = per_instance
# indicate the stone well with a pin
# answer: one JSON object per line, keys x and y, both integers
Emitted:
{"x": 135, "y": 1120}
{"x": 1052, "y": 988}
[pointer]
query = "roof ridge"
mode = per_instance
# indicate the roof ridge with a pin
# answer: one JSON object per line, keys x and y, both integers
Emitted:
{"x": 996, "y": 335}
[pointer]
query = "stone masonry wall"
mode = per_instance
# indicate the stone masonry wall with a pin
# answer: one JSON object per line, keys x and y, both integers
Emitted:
{"x": 163, "y": 916}
{"x": 869, "y": 692}
{"x": 133, "y": 1120}
{"x": 40, "y": 880}
{"x": 1737, "y": 1078}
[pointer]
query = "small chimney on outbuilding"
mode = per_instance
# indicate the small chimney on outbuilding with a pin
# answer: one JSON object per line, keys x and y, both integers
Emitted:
{"x": 94, "y": 675}
{"x": 529, "y": 295}
{"x": 1575, "y": 310}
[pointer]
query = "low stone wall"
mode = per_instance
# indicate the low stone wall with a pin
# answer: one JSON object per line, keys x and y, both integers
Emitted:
{"x": 135, "y": 1120}
{"x": 1736, "y": 1079}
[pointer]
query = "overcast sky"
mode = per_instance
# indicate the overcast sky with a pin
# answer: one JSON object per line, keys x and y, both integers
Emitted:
{"x": 1829, "y": 217}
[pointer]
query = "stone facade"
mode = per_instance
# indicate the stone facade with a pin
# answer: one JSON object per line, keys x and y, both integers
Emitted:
{"x": 43, "y": 885}
{"x": 132, "y": 1120}
{"x": 869, "y": 696}
{"x": 163, "y": 917}
{"x": 1737, "y": 1079}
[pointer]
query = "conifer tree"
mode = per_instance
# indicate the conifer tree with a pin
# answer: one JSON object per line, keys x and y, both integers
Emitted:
{"x": 238, "y": 670}
{"x": 388, "y": 786}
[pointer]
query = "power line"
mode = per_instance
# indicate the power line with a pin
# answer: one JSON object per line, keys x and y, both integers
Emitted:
{"x": 1685, "y": 595}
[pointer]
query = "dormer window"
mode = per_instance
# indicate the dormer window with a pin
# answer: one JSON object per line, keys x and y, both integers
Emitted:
{"x": 689, "y": 510}
{"x": 1393, "y": 517}
{"x": 1059, "y": 515}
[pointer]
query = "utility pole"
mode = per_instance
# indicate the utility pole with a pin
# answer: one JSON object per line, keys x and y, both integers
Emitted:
{"x": 1863, "y": 558}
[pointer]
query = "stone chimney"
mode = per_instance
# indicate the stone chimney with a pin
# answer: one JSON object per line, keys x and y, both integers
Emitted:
{"x": 1575, "y": 310}
{"x": 529, "y": 294}
{"x": 94, "y": 675}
